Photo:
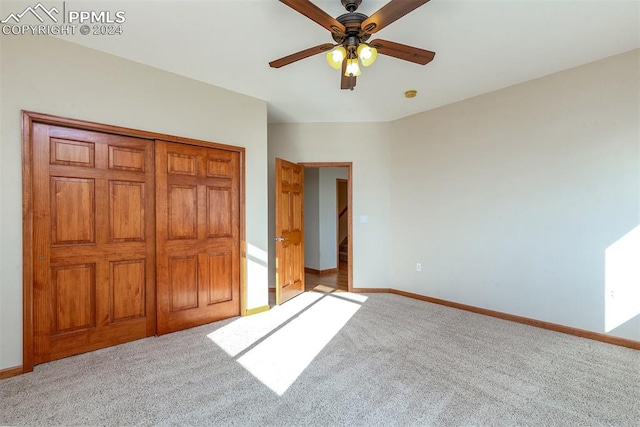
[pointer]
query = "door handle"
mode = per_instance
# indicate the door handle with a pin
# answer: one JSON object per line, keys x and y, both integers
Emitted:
{"x": 279, "y": 239}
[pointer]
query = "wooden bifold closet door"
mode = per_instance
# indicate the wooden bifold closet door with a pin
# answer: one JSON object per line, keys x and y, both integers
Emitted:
{"x": 131, "y": 237}
{"x": 93, "y": 241}
{"x": 198, "y": 235}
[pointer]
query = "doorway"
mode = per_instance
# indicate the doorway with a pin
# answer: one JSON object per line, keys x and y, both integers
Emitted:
{"x": 286, "y": 266}
{"x": 326, "y": 242}
{"x": 344, "y": 274}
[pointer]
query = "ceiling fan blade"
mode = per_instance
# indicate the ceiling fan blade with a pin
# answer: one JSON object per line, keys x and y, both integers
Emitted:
{"x": 316, "y": 14}
{"x": 402, "y": 51}
{"x": 300, "y": 55}
{"x": 346, "y": 82}
{"x": 389, "y": 13}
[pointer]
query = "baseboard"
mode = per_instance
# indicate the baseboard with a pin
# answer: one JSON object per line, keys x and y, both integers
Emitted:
{"x": 623, "y": 342}
{"x": 370, "y": 290}
{"x": 320, "y": 272}
{"x": 11, "y": 372}
{"x": 257, "y": 310}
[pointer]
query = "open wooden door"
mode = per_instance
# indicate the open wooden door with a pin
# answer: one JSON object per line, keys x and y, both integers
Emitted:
{"x": 289, "y": 230}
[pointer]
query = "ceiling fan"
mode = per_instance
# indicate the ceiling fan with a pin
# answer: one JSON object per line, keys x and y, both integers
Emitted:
{"x": 351, "y": 31}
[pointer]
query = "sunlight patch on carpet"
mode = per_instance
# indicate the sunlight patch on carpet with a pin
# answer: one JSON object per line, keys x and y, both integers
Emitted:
{"x": 276, "y": 346}
{"x": 240, "y": 334}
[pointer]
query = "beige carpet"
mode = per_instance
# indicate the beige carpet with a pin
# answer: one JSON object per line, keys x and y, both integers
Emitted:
{"x": 338, "y": 359}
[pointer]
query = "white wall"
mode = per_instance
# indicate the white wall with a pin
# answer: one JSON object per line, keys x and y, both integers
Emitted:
{"x": 312, "y": 218}
{"x": 366, "y": 145}
{"x": 510, "y": 199}
{"x": 52, "y": 76}
{"x": 328, "y": 216}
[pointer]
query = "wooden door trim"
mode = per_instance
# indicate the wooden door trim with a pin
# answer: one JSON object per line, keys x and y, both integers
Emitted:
{"x": 29, "y": 118}
{"x": 27, "y": 244}
{"x": 119, "y": 130}
{"x": 349, "y": 166}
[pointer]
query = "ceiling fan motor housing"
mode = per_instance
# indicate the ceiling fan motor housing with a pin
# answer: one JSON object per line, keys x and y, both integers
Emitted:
{"x": 352, "y": 23}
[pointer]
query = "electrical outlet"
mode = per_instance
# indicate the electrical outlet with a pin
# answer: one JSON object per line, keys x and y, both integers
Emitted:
{"x": 418, "y": 267}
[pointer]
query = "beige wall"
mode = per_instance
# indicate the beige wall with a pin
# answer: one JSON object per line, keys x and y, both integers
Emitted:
{"x": 366, "y": 145}
{"x": 51, "y": 76}
{"x": 512, "y": 200}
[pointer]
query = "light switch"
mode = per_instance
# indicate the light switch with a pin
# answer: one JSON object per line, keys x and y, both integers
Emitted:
{"x": 364, "y": 219}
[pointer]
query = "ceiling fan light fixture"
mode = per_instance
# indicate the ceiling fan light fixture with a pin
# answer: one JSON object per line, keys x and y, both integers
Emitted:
{"x": 367, "y": 54}
{"x": 353, "y": 68}
{"x": 351, "y": 32}
{"x": 336, "y": 56}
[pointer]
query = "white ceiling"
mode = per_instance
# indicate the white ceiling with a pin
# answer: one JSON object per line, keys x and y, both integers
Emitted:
{"x": 480, "y": 45}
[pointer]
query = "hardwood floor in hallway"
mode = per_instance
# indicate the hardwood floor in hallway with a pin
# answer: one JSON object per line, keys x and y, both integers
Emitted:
{"x": 338, "y": 281}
